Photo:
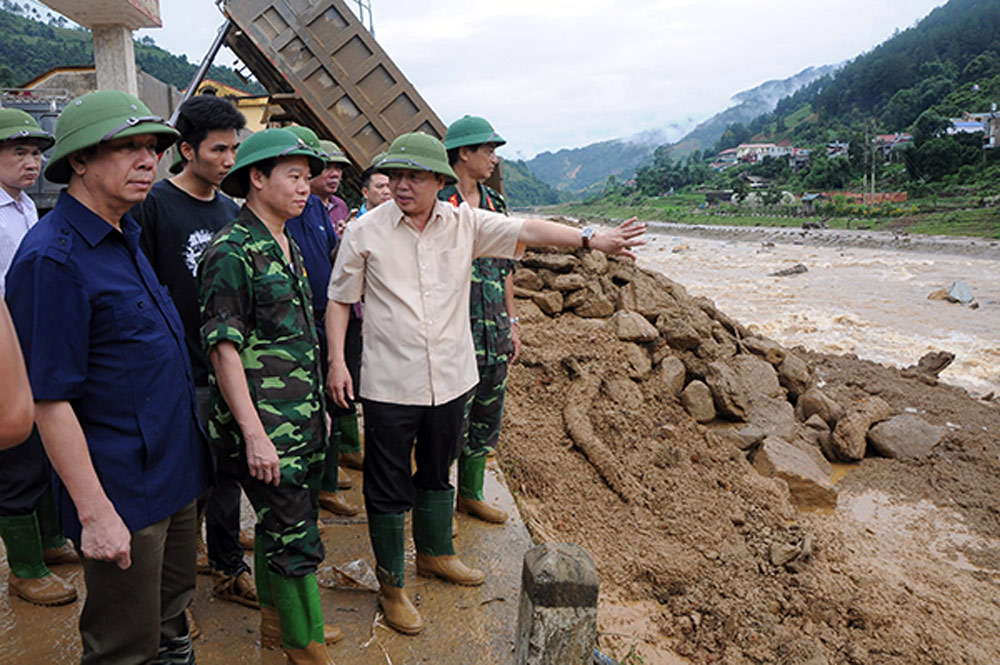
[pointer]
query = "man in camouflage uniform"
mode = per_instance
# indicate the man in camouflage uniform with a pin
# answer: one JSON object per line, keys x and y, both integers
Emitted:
{"x": 471, "y": 143}
{"x": 268, "y": 416}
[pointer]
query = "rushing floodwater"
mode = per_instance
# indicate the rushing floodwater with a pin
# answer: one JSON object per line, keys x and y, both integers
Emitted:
{"x": 870, "y": 302}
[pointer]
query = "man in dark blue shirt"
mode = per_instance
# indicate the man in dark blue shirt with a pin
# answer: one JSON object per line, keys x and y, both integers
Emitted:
{"x": 314, "y": 234}
{"x": 115, "y": 403}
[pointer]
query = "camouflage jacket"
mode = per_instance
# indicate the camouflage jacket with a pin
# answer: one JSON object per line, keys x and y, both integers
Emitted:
{"x": 487, "y": 307}
{"x": 250, "y": 296}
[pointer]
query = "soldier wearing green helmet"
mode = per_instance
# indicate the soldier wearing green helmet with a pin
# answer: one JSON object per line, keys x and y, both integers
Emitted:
{"x": 471, "y": 142}
{"x": 313, "y": 231}
{"x": 411, "y": 259}
{"x": 116, "y": 409}
{"x": 29, "y": 524}
{"x": 268, "y": 415}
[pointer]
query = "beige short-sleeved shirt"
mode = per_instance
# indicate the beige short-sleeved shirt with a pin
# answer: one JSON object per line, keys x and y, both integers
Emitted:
{"x": 417, "y": 338}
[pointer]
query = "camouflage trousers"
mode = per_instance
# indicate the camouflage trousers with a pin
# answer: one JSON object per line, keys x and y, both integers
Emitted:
{"x": 484, "y": 411}
{"x": 286, "y": 528}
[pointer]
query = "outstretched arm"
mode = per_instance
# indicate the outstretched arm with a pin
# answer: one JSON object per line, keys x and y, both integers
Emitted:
{"x": 617, "y": 241}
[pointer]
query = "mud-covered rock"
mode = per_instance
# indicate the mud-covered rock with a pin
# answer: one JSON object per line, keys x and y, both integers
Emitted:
{"x": 639, "y": 362}
{"x": 794, "y": 375}
{"x": 634, "y": 327}
{"x": 904, "y": 436}
{"x": 550, "y": 261}
{"x": 527, "y": 278}
{"x": 563, "y": 281}
{"x": 766, "y": 348}
{"x": 672, "y": 374}
{"x": 697, "y": 399}
{"x": 735, "y": 381}
{"x": 808, "y": 486}
{"x": 550, "y": 302}
{"x": 678, "y": 333}
{"x": 817, "y": 432}
{"x": 815, "y": 401}
{"x": 850, "y": 435}
{"x": 594, "y": 261}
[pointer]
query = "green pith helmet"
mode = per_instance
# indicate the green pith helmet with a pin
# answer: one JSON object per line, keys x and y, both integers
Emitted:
{"x": 307, "y": 135}
{"x": 102, "y": 116}
{"x": 417, "y": 152}
{"x": 334, "y": 155}
{"x": 378, "y": 158}
{"x": 471, "y": 130}
{"x": 268, "y": 144}
{"x": 16, "y": 124}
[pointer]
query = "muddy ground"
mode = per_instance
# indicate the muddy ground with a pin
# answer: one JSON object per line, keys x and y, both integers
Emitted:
{"x": 691, "y": 542}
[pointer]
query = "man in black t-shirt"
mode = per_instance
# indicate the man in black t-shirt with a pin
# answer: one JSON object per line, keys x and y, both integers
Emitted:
{"x": 179, "y": 218}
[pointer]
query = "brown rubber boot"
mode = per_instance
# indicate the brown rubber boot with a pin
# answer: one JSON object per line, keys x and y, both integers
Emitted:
{"x": 399, "y": 610}
{"x": 48, "y": 590}
{"x": 270, "y": 629}
{"x": 337, "y": 504}
{"x": 235, "y": 588}
{"x": 449, "y": 568}
{"x": 57, "y": 555}
{"x": 480, "y": 509}
{"x": 352, "y": 460}
{"x": 314, "y": 654}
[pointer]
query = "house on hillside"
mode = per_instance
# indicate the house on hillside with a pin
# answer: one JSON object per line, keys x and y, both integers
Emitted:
{"x": 837, "y": 149}
{"x": 799, "y": 159}
{"x": 752, "y": 153}
{"x": 887, "y": 144}
{"x": 724, "y": 160}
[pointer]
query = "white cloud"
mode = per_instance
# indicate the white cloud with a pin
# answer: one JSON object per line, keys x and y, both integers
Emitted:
{"x": 552, "y": 74}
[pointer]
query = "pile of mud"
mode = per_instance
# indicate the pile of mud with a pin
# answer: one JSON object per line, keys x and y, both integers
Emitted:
{"x": 683, "y": 453}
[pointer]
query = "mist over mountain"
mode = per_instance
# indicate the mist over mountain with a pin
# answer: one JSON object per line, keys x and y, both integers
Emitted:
{"x": 578, "y": 169}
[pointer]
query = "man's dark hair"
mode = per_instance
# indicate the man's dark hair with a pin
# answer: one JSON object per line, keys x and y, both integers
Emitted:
{"x": 205, "y": 113}
{"x": 453, "y": 153}
{"x": 366, "y": 177}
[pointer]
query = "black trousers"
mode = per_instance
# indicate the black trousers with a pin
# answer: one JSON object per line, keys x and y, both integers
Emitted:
{"x": 432, "y": 434}
{"x": 25, "y": 475}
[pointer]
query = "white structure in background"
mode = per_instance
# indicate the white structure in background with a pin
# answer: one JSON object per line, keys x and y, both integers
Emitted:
{"x": 112, "y": 23}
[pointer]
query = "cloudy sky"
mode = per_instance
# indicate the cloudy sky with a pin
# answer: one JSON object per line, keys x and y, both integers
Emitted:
{"x": 551, "y": 74}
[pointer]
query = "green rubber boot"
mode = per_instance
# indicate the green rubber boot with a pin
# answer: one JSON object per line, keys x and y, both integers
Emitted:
{"x": 432, "y": 536}
{"x": 388, "y": 535}
{"x": 432, "y": 521}
{"x": 471, "y": 472}
{"x": 299, "y": 609}
{"x": 49, "y": 527}
{"x": 24, "y": 546}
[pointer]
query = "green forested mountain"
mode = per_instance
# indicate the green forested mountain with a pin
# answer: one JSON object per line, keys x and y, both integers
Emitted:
{"x": 944, "y": 66}
{"x": 524, "y": 189}
{"x": 30, "y": 47}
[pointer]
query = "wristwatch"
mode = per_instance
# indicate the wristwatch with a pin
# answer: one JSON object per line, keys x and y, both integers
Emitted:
{"x": 586, "y": 234}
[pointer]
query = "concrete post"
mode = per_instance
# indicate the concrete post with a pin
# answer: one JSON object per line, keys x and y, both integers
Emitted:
{"x": 114, "y": 59}
{"x": 557, "y": 618}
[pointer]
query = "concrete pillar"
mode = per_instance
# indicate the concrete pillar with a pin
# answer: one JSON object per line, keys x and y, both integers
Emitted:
{"x": 557, "y": 618}
{"x": 114, "y": 58}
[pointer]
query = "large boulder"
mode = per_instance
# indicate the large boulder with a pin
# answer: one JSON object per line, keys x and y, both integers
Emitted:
{"x": 528, "y": 279}
{"x": 766, "y": 348}
{"x": 794, "y": 375}
{"x": 735, "y": 382}
{"x": 808, "y": 486}
{"x": 697, "y": 399}
{"x": 851, "y": 433}
{"x": 672, "y": 374}
{"x": 904, "y": 436}
{"x": 772, "y": 415}
{"x": 815, "y": 401}
{"x": 678, "y": 332}
{"x": 550, "y": 302}
{"x": 633, "y": 327}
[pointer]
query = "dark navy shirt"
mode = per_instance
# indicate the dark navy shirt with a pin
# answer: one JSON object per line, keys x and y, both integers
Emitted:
{"x": 314, "y": 234}
{"x": 99, "y": 331}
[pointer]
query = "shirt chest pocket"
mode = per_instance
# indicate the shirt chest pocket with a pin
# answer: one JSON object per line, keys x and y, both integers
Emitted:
{"x": 277, "y": 309}
{"x": 139, "y": 326}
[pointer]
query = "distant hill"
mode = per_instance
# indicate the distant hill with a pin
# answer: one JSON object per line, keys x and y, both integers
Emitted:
{"x": 750, "y": 104}
{"x": 524, "y": 189}
{"x": 30, "y": 47}
{"x": 579, "y": 170}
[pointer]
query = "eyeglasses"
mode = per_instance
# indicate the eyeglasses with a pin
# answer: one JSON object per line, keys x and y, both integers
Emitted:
{"x": 132, "y": 122}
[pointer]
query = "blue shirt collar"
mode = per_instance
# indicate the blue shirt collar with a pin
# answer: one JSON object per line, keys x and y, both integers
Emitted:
{"x": 89, "y": 225}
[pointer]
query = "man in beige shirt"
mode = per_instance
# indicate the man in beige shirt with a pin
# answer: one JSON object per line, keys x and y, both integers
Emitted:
{"x": 411, "y": 259}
